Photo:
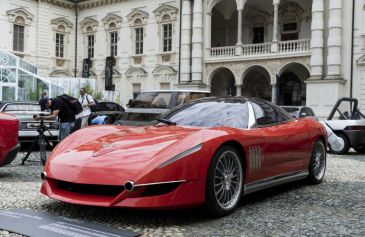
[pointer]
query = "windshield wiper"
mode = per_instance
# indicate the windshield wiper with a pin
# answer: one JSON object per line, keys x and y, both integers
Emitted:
{"x": 166, "y": 121}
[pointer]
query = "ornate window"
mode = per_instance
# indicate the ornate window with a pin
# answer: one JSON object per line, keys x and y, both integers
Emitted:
{"x": 20, "y": 17}
{"x": 62, "y": 27}
{"x": 139, "y": 40}
{"x": 88, "y": 28}
{"x": 90, "y": 45}
{"x": 18, "y": 38}
{"x": 291, "y": 15}
{"x": 138, "y": 20}
{"x": 113, "y": 43}
{"x": 60, "y": 45}
{"x": 112, "y": 25}
{"x": 167, "y": 37}
{"x": 166, "y": 18}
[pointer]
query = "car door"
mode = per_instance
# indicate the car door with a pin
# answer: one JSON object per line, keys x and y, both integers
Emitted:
{"x": 286, "y": 139}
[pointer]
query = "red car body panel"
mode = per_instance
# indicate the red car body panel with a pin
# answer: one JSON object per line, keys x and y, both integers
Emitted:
{"x": 109, "y": 156}
{"x": 9, "y": 146}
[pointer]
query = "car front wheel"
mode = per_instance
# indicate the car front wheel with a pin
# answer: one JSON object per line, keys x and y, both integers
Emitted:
{"x": 317, "y": 165}
{"x": 224, "y": 182}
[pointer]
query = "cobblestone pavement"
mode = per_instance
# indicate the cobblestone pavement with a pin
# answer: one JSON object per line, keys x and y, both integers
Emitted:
{"x": 334, "y": 208}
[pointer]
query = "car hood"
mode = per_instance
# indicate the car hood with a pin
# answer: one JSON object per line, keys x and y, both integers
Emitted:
{"x": 109, "y": 154}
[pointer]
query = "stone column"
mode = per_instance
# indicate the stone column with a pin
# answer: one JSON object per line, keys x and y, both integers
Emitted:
{"x": 317, "y": 42}
{"x": 273, "y": 93}
{"x": 197, "y": 40}
{"x": 186, "y": 42}
{"x": 238, "y": 90}
{"x": 208, "y": 31}
{"x": 334, "y": 40}
{"x": 275, "y": 45}
{"x": 239, "y": 33}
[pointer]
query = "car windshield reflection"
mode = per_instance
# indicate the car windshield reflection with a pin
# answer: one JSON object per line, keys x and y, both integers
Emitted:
{"x": 211, "y": 114}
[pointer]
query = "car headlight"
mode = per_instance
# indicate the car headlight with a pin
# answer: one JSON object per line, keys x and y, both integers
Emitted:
{"x": 181, "y": 155}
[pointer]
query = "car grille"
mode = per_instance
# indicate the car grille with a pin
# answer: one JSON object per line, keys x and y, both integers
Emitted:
{"x": 90, "y": 189}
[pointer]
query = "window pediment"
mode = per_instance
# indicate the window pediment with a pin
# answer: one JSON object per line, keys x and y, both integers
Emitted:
{"x": 361, "y": 60}
{"x": 164, "y": 9}
{"x": 137, "y": 14}
{"x": 136, "y": 71}
{"x": 88, "y": 25}
{"x": 61, "y": 22}
{"x": 20, "y": 12}
{"x": 112, "y": 18}
{"x": 164, "y": 70}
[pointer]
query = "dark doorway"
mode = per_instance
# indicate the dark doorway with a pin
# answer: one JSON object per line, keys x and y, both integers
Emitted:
{"x": 291, "y": 90}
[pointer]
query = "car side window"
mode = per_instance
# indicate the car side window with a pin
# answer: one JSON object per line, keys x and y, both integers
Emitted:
{"x": 267, "y": 114}
{"x": 264, "y": 114}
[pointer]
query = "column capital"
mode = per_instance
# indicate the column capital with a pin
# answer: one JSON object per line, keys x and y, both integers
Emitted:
{"x": 276, "y": 2}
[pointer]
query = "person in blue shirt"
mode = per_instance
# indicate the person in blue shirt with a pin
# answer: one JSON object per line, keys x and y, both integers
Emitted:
{"x": 102, "y": 119}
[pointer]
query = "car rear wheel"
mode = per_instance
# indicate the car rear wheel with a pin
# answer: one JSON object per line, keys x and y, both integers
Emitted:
{"x": 346, "y": 146}
{"x": 224, "y": 182}
{"x": 317, "y": 165}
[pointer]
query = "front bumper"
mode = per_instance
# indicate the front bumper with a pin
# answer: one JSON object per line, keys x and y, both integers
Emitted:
{"x": 11, "y": 155}
{"x": 187, "y": 194}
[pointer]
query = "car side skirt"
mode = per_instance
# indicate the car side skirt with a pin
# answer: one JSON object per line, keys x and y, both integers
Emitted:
{"x": 274, "y": 181}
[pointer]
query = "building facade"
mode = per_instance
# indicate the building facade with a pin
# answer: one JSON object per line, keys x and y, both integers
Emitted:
{"x": 292, "y": 52}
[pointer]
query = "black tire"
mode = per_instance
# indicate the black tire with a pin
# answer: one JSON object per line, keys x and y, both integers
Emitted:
{"x": 224, "y": 182}
{"x": 317, "y": 165}
{"x": 360, "y": 150}
{"x": 346, "y": 146}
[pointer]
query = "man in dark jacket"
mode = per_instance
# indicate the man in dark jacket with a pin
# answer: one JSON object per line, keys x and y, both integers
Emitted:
{"x": 59, "y": 108}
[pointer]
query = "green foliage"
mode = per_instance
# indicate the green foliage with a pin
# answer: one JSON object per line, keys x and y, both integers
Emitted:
{"x": 97, "y": 95}
{"x": 88, "y": 88}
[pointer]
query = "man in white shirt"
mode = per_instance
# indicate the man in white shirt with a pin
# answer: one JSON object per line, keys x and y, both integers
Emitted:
{"x": 86, "y": 101}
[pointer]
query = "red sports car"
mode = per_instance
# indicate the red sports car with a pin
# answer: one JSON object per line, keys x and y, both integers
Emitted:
{"x": 9, "y": 145}
{"x": 206, "y": 152}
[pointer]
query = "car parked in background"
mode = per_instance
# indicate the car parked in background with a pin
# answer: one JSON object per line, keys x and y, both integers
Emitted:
{"x": 108, "y": 108}
{"x": 299, "y": 111}
{"x": 9, "y": 145}
{"x": 348, "y": 123}
{"x": 148, "y": 105}
{"x": 24, "y": 111}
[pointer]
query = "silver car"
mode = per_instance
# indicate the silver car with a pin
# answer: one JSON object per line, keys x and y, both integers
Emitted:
{"x": 348, "y": 123}
{"x": 24, "y": 111}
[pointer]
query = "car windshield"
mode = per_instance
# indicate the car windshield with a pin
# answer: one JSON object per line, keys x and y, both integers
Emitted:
{"x": 152, "y": 100}
{"x": 211, "y": 114}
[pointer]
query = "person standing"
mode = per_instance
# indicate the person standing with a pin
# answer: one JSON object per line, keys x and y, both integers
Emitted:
{"x": 59, "y": 108}
{"x": 86, "y": 101}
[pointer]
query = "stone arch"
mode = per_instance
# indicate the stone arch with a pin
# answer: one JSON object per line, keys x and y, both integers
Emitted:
{"x": 164, "y": 70}
{"x": 60, "y": 73}
{"x": 224, "y": 23}
{"x": 222, "y": 82}
{"x": 290, "y": 84}
{"x": 256, "y": 82}
{"x": 136, "y": 71}
{"x": 116, "y": 73}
